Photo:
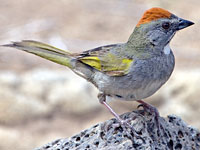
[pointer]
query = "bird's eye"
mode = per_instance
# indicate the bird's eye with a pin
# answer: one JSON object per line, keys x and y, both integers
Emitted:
{"x": 166, "y": 25}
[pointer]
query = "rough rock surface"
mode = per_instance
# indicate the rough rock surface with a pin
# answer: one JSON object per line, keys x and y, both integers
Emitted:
{"x": 175, "y": 134}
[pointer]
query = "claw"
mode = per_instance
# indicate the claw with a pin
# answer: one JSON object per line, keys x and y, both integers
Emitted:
{"x": 140, "y": 105}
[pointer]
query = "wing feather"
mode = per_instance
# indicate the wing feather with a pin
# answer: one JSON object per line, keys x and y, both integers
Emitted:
{"x": 104, "y": 60}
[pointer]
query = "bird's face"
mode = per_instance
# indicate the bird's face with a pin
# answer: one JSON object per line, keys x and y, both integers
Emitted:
{"x": 158, "y": 26}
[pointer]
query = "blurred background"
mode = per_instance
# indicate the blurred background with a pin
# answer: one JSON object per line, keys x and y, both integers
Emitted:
{"x": 41, "y": 101}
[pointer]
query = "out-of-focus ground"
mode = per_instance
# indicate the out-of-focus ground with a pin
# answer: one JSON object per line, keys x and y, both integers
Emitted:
{"x": 41, "y": 101}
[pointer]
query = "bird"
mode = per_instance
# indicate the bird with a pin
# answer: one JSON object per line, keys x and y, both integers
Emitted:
{"x": 130, "y": 71}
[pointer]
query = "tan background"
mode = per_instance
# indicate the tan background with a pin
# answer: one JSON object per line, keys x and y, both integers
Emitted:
{"x": 41, "y": 101}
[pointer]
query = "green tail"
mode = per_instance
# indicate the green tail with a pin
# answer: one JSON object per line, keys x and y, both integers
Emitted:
{"x": 43, "y": 50}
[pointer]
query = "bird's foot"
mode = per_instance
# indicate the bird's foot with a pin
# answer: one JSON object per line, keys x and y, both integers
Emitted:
{"x": 153, "y": 110}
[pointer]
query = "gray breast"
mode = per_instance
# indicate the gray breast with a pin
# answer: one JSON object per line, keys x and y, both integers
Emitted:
{"x": 152, "y": 74}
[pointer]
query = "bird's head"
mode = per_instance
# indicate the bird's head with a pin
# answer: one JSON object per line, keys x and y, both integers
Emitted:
{"x": 157, "y": 27}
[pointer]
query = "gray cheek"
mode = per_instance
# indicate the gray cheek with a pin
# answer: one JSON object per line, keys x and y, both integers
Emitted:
{"x": 156, "y": 37}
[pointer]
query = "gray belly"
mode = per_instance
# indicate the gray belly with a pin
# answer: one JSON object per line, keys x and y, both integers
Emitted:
{"x": 143, "y": 80}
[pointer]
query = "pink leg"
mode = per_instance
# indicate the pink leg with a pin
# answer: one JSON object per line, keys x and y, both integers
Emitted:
{"x": 112, "y": 112}
{"x": 102, "y": 100}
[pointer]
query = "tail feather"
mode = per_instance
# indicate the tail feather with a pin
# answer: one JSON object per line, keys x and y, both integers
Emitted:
{"x": 44, "y": 50}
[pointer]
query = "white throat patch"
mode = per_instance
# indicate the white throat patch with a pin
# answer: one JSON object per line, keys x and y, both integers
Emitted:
{"x": 167, "y": 49}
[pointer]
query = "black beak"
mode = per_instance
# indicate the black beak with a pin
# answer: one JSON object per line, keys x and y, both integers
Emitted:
{"x": 184, "y": 23}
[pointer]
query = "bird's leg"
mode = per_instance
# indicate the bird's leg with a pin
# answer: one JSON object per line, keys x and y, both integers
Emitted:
{"x": 152, "y": 109}
{"x": 102, "y": 100}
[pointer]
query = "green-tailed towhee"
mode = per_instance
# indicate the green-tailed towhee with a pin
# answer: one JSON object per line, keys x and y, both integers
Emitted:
{"x": 129, "y": 71}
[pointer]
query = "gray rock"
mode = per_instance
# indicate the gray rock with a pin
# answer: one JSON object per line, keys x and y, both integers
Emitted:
{"x": 175, "y": 135}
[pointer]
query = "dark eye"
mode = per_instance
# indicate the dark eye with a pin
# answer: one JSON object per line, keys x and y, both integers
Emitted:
{"x": 166, "y": 25}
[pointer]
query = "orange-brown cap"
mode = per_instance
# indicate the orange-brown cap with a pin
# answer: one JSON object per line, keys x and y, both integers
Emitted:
{"x": 153, "y": 14}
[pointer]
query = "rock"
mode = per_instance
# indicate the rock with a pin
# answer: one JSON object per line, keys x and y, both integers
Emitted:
{"x": 175, "y": 134}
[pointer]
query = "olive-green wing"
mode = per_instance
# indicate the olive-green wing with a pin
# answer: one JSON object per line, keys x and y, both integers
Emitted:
{"x": 104, "y": 60}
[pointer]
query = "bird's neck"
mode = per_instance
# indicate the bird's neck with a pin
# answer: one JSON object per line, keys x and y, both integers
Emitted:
{"x": 139, "y": 42}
